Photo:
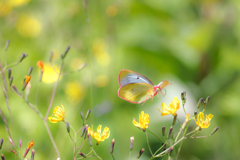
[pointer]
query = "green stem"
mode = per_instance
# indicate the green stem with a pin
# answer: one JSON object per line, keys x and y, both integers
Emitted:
{"x": 155, "y": 135}
{"x": 148, "y": 144}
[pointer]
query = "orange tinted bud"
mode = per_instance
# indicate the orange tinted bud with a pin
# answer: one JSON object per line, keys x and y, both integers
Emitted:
{"x": 40, "y": 65}
{"x": 28, "y": 78}
{"x": 30, "y": 144}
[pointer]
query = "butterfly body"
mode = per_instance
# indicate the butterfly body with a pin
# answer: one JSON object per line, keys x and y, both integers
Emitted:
{"x": 136, "y": 88}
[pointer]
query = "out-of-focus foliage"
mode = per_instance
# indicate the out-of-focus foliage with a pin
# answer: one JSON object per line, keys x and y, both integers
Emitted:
{"x": 193, "y": 44}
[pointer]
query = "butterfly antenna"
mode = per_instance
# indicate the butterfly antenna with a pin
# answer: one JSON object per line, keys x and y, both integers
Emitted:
{"x": 165, "y": 92}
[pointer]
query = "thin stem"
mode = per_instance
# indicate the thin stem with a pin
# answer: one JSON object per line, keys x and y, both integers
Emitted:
{"x": 37, "y": 94}
{"x": 148, "y": 144}
{"x": 129, "y": 154}
{"x": 160, "y": 148}
{"x": 51, "y": 137}
{"x": 9, "y": 110}
{"x": 11, "y": 65}
{"x": 112, "y": 156}
{"x": 170, "y": 147}
{"x": 155, "y": 135}
{"x": 53, "y": 93}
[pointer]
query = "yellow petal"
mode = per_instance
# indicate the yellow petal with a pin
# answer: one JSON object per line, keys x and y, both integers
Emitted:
{"x": 53, "y": 119}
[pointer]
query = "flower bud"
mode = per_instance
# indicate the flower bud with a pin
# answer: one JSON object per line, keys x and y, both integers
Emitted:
{"x": 1, "y": 143}
{"x": 65, "y": 53}
{"x": 81, "y": 66}
{"x": 131, "y": 143}
{"x": 207, "y": 100}
{"x": 82, "y": 116}
{"x": 199, "y": 102}
{"x": 7, "y": 44}
{"x": 83, "y": 131}
{"x": 15, "y": 89}
{"x": 214, "y": 130}
{"x": 13, "y": 152}
{"x": 169, "y": 133}
{"x": 140, "y": 153}
{"x": 82, "y": 154}
{"x": 174, "y": 119}
{"x": 205, "y": 104}
{"x": 20, "y": 144}
{"x": 2, "y": 156}
{"x": 10, "y": 140}
{"x": 87, "y": 114}
{"x": 112, "y": 146}
{"x": 30, "y": 71}
{"x": 195, "y": 114}
{"x": 163, "y": 130}
{"x": 183, "y": 95}
{"x": 32, "y": 155}
{"x": 10, "y": 80}
{"x": 68, "y": 127}
{"x": 89, "y": 140}
{"x": 9, "y": 73}
{"x": 22, "y": 57}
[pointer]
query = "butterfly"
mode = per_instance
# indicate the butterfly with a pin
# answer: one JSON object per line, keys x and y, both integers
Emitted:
{"x": 136, "y": 88}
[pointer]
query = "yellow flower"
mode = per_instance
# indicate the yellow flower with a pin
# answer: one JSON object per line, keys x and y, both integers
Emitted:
{"x": 50, "y": 74}
{"x": 171, "y": 109}
{"x": 74, "y": 91}
{"x": 97, "y": 135}
{"x": 203, "y": 123}
{"x": 28, "y": 26}
{"x": 143, "y": 121}
{"x": 59, "y": 114}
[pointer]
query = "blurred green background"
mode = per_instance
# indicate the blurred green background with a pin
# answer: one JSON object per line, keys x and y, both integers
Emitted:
{"x": 193, "y": 44}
